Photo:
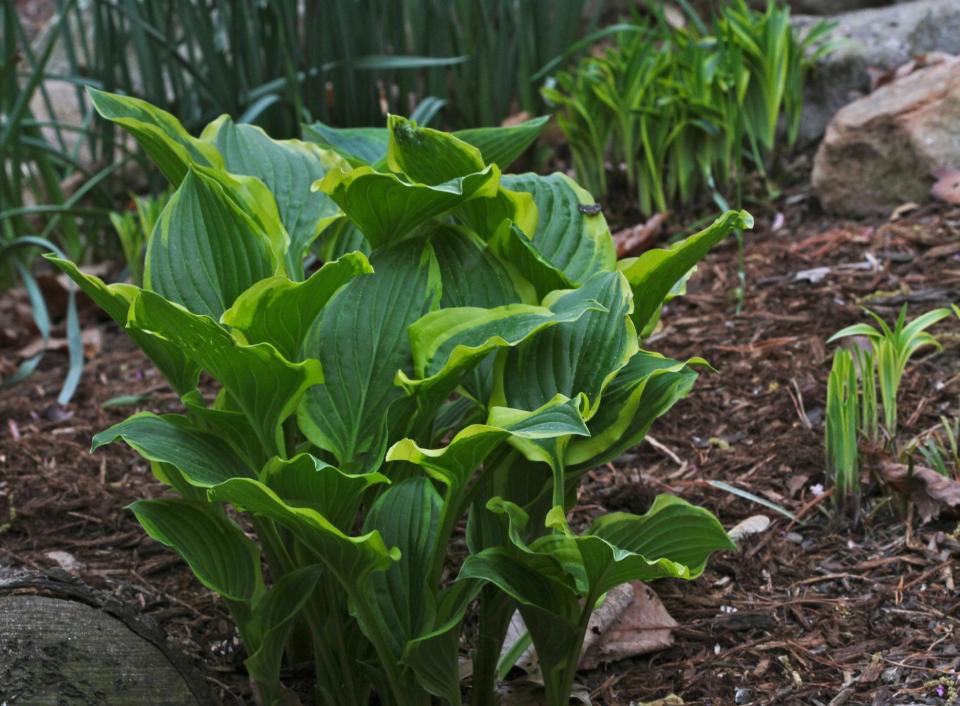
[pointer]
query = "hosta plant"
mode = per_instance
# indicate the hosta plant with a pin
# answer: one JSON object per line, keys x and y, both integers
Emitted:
{"x": 470, "y": 360}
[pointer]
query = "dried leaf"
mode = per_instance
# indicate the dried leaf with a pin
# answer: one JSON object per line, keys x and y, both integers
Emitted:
{"x": 755, "y": 524}
{"x": 636, "y": 239}
{"x": 644, "y": 626}
{"x": 930, "y": 492}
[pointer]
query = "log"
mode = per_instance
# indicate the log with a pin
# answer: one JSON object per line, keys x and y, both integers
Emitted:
{"x": 64, "y": 643}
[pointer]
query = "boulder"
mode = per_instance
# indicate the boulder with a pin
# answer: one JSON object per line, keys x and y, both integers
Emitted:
{"x": 882, "y": 150}
{"x": 872, "y": 39}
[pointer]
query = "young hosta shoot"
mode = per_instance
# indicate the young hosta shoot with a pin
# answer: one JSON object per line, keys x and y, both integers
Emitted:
{"x": 472, "y": 355}
{"x": 843, "y": 456}
{"x": 892, "y": 350}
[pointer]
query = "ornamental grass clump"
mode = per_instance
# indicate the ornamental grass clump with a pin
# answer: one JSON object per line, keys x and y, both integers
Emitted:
{"x": 472, "y": 358}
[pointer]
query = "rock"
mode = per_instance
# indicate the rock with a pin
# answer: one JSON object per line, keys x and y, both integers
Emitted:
{"x": 880, "y": 38}
{"x": 882, "y": 150}
{"x": 828, "y": 7}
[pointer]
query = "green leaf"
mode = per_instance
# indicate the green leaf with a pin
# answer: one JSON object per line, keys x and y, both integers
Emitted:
{"x": 361, "y": 146}
{"x": 502, "y": 145}
{"x": 454, "y": 464}
{"x": 448, "y": 343}
{"x": 219, "y": 553}
{"x": 671, "y": 529}
{"x": 576, "y": 243}
{"x": 350, "y": 559}
{"x": 406, "y": 515}
{"x": 279, "y": 311}
{"x": 429, "y": 156}
{"x": 575, "y": 358}
{"x": 642, "y": 391}
{"x": 386, "y": 208}
{"x": 470, "y": 274}
{"x": 362, "y": 335}
{"x": 272, "y": 622}
{"x": 433, "y": 655}
{"x": 159, "y": 133}
{"x": 116, "y": 299}
{"x": 513, "y": 246}
{"x": 653, "y": 274}
{"x": 484, "y": 216}
{"x": 287, "y": 168}
{"x": 205, "y": 251}
{"x": 265, "y": 386}
{"x": 228, "y": 424}
{"x": 203, "y": 459}
{"x": 306, "y": 481}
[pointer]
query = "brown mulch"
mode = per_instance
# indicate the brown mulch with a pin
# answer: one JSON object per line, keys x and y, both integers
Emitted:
{"x": 806, "y": 613}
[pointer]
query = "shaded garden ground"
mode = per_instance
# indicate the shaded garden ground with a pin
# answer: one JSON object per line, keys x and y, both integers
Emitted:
{"x": 805, "y": 613}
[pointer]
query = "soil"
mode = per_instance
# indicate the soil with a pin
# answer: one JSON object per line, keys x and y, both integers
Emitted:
{"x": 807, "y": 612}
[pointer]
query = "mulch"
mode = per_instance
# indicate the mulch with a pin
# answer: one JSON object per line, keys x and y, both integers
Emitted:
{"x": 809, "y": 612}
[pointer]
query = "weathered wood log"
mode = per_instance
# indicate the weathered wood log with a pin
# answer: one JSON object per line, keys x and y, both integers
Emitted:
{"x": 63, "y": 643}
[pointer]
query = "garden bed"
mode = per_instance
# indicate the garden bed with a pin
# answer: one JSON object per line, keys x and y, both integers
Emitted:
{"x": 801, "y": 611}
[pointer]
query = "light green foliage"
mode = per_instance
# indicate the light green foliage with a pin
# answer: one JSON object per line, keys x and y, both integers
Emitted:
{"x": 473, "y": 361}
{"x": 842, "y": 425}
{"x": 892, "y": 350}
{"x": 682, "y": 106}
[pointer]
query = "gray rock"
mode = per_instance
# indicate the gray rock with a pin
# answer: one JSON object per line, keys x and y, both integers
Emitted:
{"x": 882, "y": 150}
{"x": 881, "y": 38}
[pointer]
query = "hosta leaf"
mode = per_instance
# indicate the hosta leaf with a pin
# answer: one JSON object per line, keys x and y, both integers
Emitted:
{"x": 339, "y": 237}
{"x": 272, "y": 621}
{"x": 361, "y": 338}
{"x": 386, "y": 208}
{"x": 230, "y": 425}
{"x": 449, "y": 342}
{"x": 350, "y": 559}
{"x": 576, "y": 243}
{"x": 470, "y": 274}
{"x": 361, "y": 146}
{"x": 265, "y": 386}
{"x": 429, "y": 156}
{"x": 406, "y": 515}
{"x": 579, "y": 357}
{"x": 642, "y": 391}
{"x": 279, "y": 311}
{"x": 502, "y": 145}
{"x": 433, "y": 654}
{"x": 513, "y": 246}
{"x": 306, "y": 481}
{"x": 205, "y": 251}
{"x": 484, "y": 216}
{"x": 203, "y": 459}
{"x": 219, "y": 553}
{"x": 288, "y": 168}
{"x": 116, "y": 299}
{"x": 653, "y": 274}
{"x": 671, "y": 529}
{"x": 160, "y": 134}
{"x": 454, "y": 464}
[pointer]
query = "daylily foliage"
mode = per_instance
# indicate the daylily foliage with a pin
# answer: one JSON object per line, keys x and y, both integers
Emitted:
{"x": 470, "y": 357}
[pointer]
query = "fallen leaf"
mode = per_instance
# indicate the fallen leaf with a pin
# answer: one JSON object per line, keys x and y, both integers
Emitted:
{"x": 755, "y": 524}
{"x": 645, "y": 626}
{"x": 947, "y": 186}
{"x": 669, "y": 700}
{"x": 796, "y": 483}
{"x": 930, "y": 492}
{"x": 636, "y": 239}
{"x": 91, "y": 337}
